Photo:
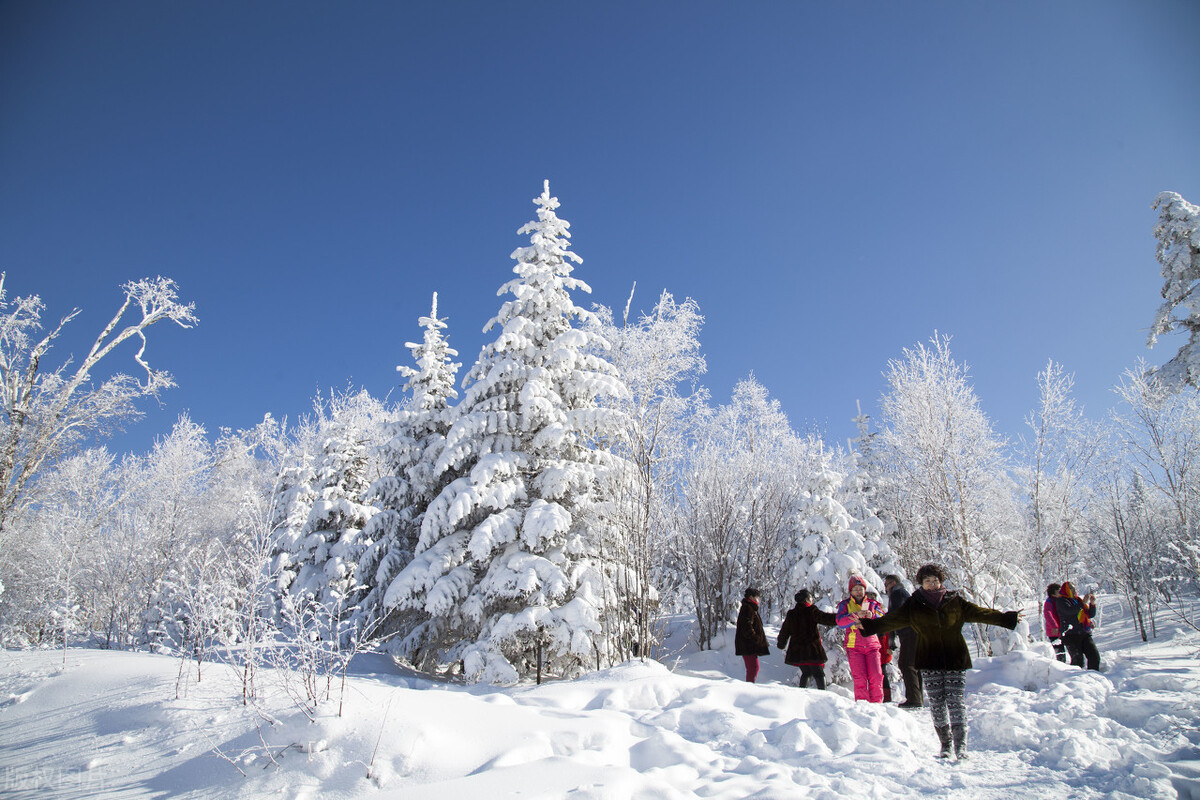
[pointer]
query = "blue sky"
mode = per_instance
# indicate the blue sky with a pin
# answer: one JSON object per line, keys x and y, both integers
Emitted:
{"x": 832, "y": 182}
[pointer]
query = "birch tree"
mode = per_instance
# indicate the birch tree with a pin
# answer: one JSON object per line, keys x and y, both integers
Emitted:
{"x": 48, "y": 411}
{"x": 1058, "y": 474}
{"x": 956, "y": 501}
{"x": 659, "y": 358}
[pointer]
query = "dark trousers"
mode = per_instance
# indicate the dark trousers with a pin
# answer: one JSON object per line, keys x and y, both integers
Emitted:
{"x": 1080, "y": 645}
{"x": 814, "y": 671}
{"x": 1060, "y": 650}
{"x": 913, "y": 694}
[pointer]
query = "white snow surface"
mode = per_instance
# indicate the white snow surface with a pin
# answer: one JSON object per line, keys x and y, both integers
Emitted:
{"x": 108, "y": 724}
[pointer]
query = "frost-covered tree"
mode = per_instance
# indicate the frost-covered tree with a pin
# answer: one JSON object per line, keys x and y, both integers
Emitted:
{"x": 510, "y": 572}
{"x": 1159, "y": 430}
{"x": 166, "y": 511}
{"x": 48, "y": 412}
{"x": 52, "y": 568}
{"x": 1058, "y": 475}
{"x": 660, "y": 360}
{"x": 1129, "y": 553}
{"x": 413, "y": 443}
{"x": 737, "y": 506}
{"x": 1178, "y": 253}
{"x": 956, "y": 503}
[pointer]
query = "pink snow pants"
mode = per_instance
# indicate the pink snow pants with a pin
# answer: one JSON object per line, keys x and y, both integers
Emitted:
{"x": 867, "y": 674}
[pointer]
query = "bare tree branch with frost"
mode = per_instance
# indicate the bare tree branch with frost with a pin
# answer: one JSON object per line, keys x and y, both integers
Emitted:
{"x": 45, "y": 412}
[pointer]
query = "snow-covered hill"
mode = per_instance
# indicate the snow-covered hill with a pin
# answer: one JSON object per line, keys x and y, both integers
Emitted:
{"x": 109, "y": 725}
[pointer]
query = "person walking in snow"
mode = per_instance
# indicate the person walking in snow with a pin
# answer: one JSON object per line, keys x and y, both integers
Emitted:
{"x": 1050, "y": 620}
{"x": 937, "y": 617}
{"x": 862, "y": 650}
{"x": 913, "y": 695}
{"x": 801, "y": 641}
{"x": 1076, "y": 618}
{"x": 749, "y": 639}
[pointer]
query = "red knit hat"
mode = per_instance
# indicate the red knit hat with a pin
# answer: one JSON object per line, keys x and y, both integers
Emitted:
{"x": 856, "y": 580}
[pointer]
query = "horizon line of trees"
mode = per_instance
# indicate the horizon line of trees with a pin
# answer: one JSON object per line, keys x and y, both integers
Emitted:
{"x": 582, "y": 489}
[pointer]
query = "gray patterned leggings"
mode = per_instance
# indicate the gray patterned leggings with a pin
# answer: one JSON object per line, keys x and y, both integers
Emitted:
{"x": 944, "y": 695}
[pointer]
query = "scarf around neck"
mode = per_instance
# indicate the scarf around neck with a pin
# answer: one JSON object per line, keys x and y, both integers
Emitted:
{"x": 933, "y": 598}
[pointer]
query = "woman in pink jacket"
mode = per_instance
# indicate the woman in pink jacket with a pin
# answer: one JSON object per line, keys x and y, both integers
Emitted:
{"x": 1053, "y": 626}
{"x": 861, "y": 651}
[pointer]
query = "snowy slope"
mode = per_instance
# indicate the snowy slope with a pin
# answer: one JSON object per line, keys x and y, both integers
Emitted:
{"x": 110, "y": 725}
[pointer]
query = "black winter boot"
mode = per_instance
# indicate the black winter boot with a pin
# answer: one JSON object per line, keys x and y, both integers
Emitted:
{"x": 943, "y": 733}
{"x": 960, "y": 741}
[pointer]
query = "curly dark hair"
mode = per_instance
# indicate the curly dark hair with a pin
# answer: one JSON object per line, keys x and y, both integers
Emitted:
{"x": 930, "y": 570}
{"x": 1052, "y": 589}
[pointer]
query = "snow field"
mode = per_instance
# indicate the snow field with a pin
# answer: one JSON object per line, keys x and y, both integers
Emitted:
{"x": 109, "y": 725}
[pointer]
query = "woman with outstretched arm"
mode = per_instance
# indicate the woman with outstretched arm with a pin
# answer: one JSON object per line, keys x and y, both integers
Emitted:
{"x": 937, "y": 617}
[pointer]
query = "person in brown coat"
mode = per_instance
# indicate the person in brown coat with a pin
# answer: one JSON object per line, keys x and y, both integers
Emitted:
{"x": 750, "y": 640}
{"x": 937, "y": 617}
{"x": 801, "y": 640}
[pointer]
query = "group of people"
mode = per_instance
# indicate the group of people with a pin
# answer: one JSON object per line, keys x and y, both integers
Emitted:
{"x": 1069, "y": 620}
{"x": 933, "y": 656}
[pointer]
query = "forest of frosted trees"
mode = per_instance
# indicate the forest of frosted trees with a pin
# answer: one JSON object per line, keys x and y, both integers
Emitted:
{"x": 545, "y": 510}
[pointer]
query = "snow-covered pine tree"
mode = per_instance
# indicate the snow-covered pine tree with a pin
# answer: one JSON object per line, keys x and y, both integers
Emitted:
{"x": 293, "y": 497}
{"x": 414, "y": 441}
{"x": 331, "y": 543}
{"x": 509, "y": 572}
{"x": 833, "y": 543}
{"x": 1178, "y": 252}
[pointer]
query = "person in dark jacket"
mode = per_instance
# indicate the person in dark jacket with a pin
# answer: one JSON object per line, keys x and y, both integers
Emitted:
{"x": 801, "y": 641}
{"x": 937, "y": 617}
{"x": 913, "y": 695}
{"x": 1076, "y": 618}
{"x": 750, "y": 640}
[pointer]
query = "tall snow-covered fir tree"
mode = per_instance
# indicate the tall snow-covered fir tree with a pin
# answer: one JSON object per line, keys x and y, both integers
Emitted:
{"x": 414, "y": 442}
{"x": 510, "y": 569}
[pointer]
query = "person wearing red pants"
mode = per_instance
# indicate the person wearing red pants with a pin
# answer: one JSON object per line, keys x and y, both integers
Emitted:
{"x": 750, "y": 640}
{"x": 862, "y": 651}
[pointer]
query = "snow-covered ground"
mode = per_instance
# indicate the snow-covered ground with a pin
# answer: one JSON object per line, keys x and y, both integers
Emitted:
{"x": 109, "y": 725}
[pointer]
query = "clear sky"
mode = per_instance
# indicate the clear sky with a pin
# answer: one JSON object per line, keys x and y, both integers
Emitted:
{"x": 831, "y": 181}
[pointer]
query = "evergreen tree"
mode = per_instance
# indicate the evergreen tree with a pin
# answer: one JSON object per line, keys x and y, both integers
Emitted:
{"x": 330, "y": 544}
{"x": 1178, "y": 252}
{"x": 410, "y": 481}
{"x": 509, "y": 572}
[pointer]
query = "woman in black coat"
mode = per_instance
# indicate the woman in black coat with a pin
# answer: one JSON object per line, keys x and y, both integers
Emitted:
{"x": 937, "y": 617}
{"x": 802, "y": 641}
{"x": 750, "y": 640}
